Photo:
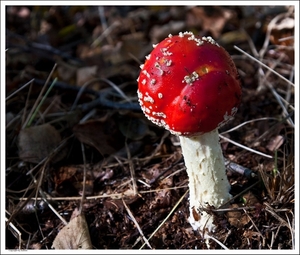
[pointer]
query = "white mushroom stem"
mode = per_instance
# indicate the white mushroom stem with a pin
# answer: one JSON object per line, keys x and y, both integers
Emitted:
{"x": 208, "y": 182}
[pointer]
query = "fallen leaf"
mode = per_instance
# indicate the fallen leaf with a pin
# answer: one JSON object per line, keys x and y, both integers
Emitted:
{"x": 236, "y": 218}
{"x": 103, "y": 136}
{"x": 163, "y": 196}
{"x": 38, "y": 142}
{"x": 249, "y": 199}
{"x": 134, "y": 128}
{"x": 75, "y": 235}
{"x": 211, "y": 20}
{"x": 252, "y": 235}
{"x": 69, "y": 179}
{"x": 282, "y": 34}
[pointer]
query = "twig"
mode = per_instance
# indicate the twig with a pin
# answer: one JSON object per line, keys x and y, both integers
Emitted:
{"x": 265, "y": 181}
{"x": 233, "y": 209}
{"x": 244, "y": 147}
{"x": 55, "y": 212}
{"x": 217, "y": 241}
{"x": 113, "y": 196}
{"x": 291, "y": 228}
{"x": 40, "y": 49}
{"x": 163, "y": 222}
{"x": 84, "y": 179}
{"x": 136, "y": 223}
{"x": 146, "y": 184}
{"x": 103, "y": 92}
{"x": 82, "y": 89}
{"x": 262, "y": 64}
{"x": 45, "y": 199}
{"x": 277, "y": 97}
{"x": 17, "y": 231}
{"x": 102, "y": 97}
{"x": 132, "y": 171}
{"x": 158, "y": 147}
{"x": 269, "y": 30}
{"x": 162, "y": 173}
{"x": 258, "y": 231}
{"x": 221, "y": 208}
{"x": 19, "y": 89}
{"x": 106, "y": 33}
{"x": 270, "y": 210}
{"x": 247, "y": 122}
{"x": 116, "y": 88}
{"x": 175, "y": 172}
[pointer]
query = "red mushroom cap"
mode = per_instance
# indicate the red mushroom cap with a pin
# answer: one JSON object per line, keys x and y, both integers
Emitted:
{"x": 189, "y": 85}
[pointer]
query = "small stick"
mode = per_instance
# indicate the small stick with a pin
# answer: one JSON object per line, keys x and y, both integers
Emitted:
{"x": 217, "y": 241}
{"x": 17, "y": 231}
{"x": 84, "y": 178}
{"x": 163, "y": 222}
{"x": 245, "y": 147}
{"x": 132, "y": 171}
{"x": 18, "y": 90}
{"x": 137, "y": 224}
{"x": 270, "y": 210}
{"x": 113, "y": 196}
{"x": 262, "y": 64}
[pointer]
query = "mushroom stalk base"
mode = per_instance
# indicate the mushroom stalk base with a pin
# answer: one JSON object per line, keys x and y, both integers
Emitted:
{"x": 208, "y": 183}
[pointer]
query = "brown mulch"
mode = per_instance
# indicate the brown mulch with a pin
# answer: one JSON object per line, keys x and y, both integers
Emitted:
{"x": 76, "y": 138}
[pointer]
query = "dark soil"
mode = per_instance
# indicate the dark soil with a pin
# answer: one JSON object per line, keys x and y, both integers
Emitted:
{"x": 90, "y": 127}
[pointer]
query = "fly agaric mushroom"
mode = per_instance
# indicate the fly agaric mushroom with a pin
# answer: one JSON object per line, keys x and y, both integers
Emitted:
{"x": 191, "y": 87}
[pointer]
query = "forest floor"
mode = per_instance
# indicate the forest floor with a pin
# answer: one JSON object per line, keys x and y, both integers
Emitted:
{"x": 80, "y": 153}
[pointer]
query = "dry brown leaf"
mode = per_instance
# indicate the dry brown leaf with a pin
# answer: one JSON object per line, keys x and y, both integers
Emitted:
{"x": 38, "y": 142}
{"x": 210, "y": 20}
{"x": 283, "y": 34}
{"x": 163, "y": 197}
{"x": 109, "y": 57}
{"x": 134, "y": 128}
{"x": 69, "y": 179}
{"x": 249, "y": 199}
{"x": 236, "y": 218}
{"x": 252, "y": 235}
{"x": 102, "y": 136}
{"x": 284, "y": 28}
{"x": 132, "y": 45}
{"x": 75, "y": 235}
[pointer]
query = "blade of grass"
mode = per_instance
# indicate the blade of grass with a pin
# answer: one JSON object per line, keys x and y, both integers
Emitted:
{"x": 40, "y": 104}
{"x": 41, "y": 93}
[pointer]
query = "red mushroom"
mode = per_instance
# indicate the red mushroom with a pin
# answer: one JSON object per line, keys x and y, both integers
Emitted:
{"x": 191, "y": 87}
